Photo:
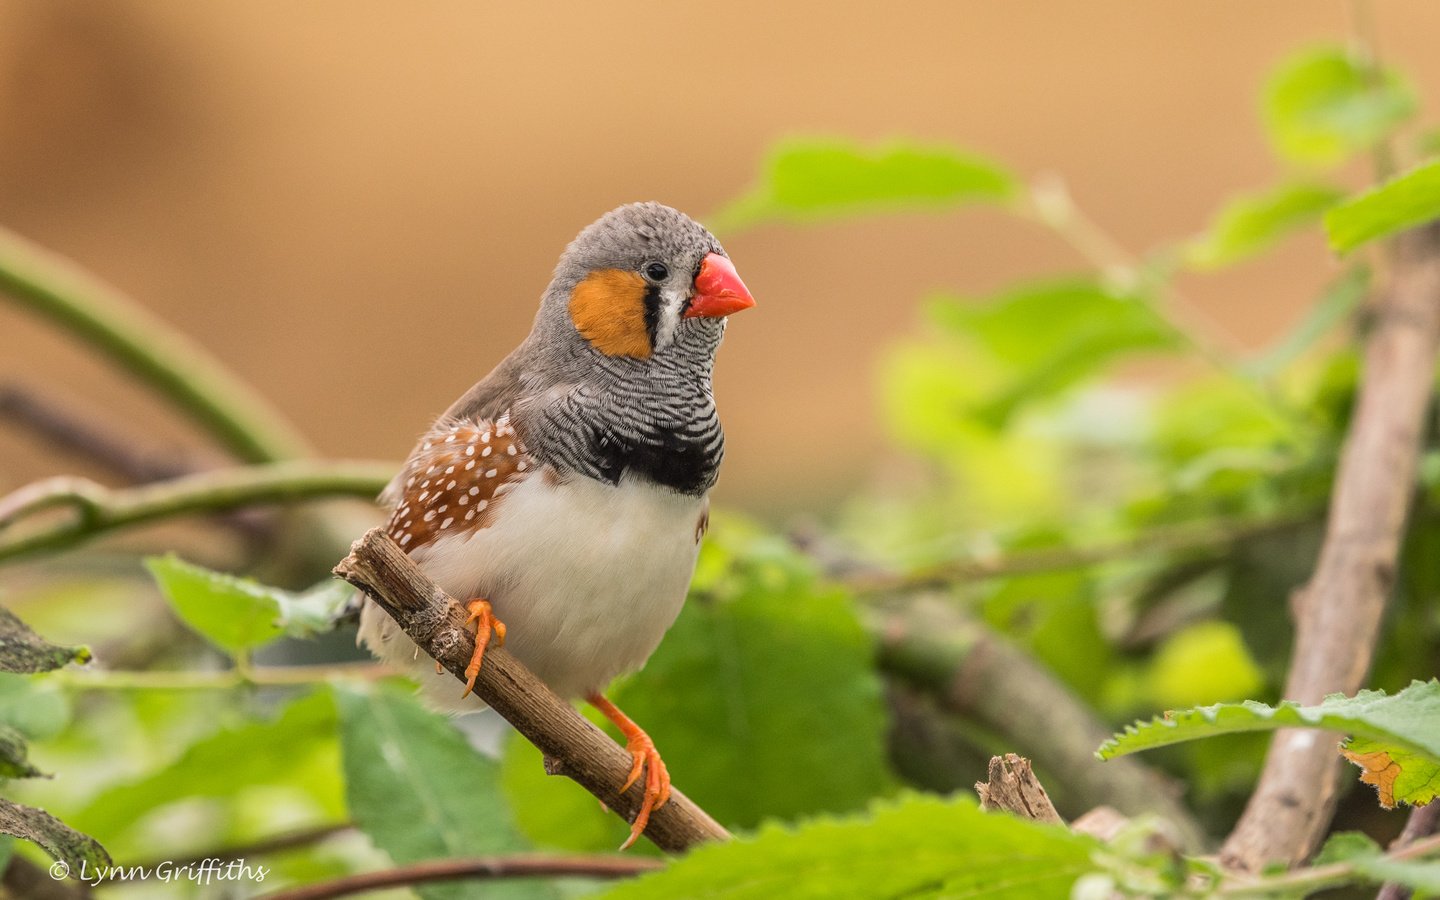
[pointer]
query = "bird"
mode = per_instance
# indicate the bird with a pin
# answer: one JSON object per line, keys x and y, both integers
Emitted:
{"x": 565, "y": 495}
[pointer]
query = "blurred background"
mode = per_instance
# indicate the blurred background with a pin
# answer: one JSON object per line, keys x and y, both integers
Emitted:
{"x": 301, "y": 186}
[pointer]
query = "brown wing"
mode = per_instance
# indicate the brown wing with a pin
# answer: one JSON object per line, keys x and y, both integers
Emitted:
{"x": 455, "y": 479}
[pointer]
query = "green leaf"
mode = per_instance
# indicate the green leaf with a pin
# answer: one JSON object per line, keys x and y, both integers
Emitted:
{"x": 240, "y": 614}
{"x": 1205, "y": 661}
{"x": 1050, "y": 335}
{"x": 809, "y": 179}
{"x": 15, "y": 757}
{"x": 1403, "y": 202}
{"x": 1404, "y": 727}
{"x": 1340, "y": 299}
{"x": 1251, "y": 223}
{"x": 1369, "y": 861}
{"x": 296, "y": 750}
{"x": 419, "y": 790}
{"x": 918, "y": 848}
{"x": 24, "y": 651}
{"x": 1322, "y": 105}
{"x": 59, "y": 840}
{"x": 747, "y": 692}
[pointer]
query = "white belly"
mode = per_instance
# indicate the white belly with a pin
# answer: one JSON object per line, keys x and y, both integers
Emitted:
{"x": 586, "y": 577}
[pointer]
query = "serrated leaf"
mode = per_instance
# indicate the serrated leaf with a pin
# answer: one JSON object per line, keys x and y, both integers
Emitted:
{"x": 1322, "y": 105}
{"x": 296, "y": 749}
{"x": 240, "y": 614}
{"x": 1403, "y": 202}
{"x": 15, "y": 756}
{"x": 1404, "y": 726}
{"x": 808, "y": 179}
{"x": 24, "y": 651}
{"x": 753, "y": 682}
{"x": 55, "y": 837}
{"x": 1251, "y": 223}
{"x": 420, "y": 791}
{"x": 916, "y": 849}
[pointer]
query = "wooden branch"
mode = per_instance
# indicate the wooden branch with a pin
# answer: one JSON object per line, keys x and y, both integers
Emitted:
{"x": 99, "y": 510}
{"x": 1012, "y": 787}
{"x": 572, "y": 745}
{"x": 1338, "y": 612}
{"x": 432, "y": 871}
{"x": 977, "y": 674}
{"x": 1420, "y": 824}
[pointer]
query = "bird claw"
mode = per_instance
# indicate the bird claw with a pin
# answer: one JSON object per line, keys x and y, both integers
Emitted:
{"x": 486, "y": 628}
{"x": 657, "y": 782}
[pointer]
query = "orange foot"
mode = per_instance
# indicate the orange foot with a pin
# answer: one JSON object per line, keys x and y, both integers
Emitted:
{"x": 484, "y": 616}
{"x": 647, "y": 760}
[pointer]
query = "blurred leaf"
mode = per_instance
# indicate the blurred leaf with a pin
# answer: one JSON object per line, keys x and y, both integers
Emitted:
{"x": 808, "y": 179}
{"x": 24, "y": 651}
{"x": 15, "y": 756}
{"x": 1368, "y": 859}
{"x": 1321, "y": 106}
{"x": 240, "y": 614}
{"x": 1251, "y": 223}
{"x": 1051, "y": 335}
{"x": 1341, "y": 298}
{"x": 1404, "y": 728}
{"x": 35, "y": 708}
{"x": 763, "y": 698}
{"x": 920, "y": 847}
{"x": 557, "y": 813}
{"x": 1405, "y": 201}
{"x": 297, "y": 749}
{"x": 57, "y": 839}
{"x": 420, "y": 791}
{"x": 1207, "y": 661}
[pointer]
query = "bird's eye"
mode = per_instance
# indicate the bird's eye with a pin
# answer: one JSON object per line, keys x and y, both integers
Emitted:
{"x": 656, "y": 271}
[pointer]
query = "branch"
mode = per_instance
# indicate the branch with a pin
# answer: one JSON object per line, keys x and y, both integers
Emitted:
{"x": 1012, "y": 787}
{"x": 572, "y": 745}
{"x": 99, "y": 510}
{"x": 1338, "y": 612}
{"x": 486, "y": 868}
{"x": 83, "y": 434}
{"x": 1421, "y": 823}
{"x": 977, "y": 674}
{"x": 178, "y": 368}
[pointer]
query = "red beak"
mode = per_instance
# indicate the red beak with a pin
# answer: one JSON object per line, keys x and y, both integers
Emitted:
{"x": 718, "y": 290}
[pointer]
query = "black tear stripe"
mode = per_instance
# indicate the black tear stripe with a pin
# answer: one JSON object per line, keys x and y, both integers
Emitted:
{"x": 652, "y": 311}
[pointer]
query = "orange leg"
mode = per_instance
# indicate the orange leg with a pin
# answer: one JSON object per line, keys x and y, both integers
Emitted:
{"x": 486, "y": 624}
{"x": 647, "y": 760}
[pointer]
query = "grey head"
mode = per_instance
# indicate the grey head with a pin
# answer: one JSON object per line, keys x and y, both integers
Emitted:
{"x": 614, "y": 378}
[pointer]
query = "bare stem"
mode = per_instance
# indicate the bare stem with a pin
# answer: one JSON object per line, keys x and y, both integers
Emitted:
{"x": 228, "y": 679}
{"x": 530, "y": 866}
{"x": 100, "y": 510}
{"x": 175, "y": 366}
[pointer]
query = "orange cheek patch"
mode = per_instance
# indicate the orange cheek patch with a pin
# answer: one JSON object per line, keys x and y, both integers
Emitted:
{"x": 608, "y": 309}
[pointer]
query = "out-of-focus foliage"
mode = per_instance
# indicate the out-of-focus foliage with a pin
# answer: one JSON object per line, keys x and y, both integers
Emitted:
{"x": 1128, "y": 500}
{"x": 1324, "y": 104}
{"x": 1403, "y": 202}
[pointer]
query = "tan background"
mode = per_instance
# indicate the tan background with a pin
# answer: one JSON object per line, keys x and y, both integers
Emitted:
{"x": 357, "y": 204}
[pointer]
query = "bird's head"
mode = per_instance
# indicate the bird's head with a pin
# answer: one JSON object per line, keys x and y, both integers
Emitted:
{"x": 639, "y": 279}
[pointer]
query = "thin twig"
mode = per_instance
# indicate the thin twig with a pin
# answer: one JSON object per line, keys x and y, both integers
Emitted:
{"x": 291, "y": 840}
{"x": 436, "y": 623}
{"x": 1307, "y": 881}
{"x": 1174, "y": 539}
{"x": 45, "y": 283}
{"x": 228, "y": 679}
{"x": 607, "y": 867}
{"x": 1338, "y": 613}
{"x": 1420, "y": 824}
{"x": 102, "y": 510}
{"x": 86, "y": 435}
